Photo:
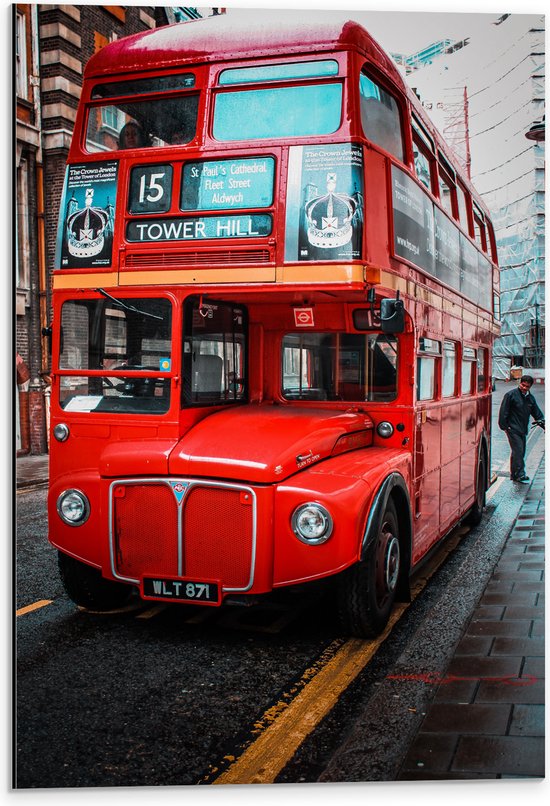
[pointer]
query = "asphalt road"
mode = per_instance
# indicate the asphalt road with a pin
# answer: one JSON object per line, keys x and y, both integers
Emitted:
{"x": 170, "y": 695}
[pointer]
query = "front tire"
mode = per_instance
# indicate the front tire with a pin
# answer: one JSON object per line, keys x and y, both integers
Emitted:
{"x": 87, "y": 588}
{"x": 367, "y": 590}
{"x": 476, "y": 512}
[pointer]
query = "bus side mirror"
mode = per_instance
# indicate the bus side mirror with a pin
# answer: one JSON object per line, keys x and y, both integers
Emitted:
{"x": 392, "y": 316}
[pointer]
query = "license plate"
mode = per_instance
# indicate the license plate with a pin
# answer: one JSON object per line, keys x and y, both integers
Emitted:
{"x": 180, "y": 590}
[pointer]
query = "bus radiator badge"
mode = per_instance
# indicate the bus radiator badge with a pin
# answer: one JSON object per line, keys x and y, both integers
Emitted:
{"x": 336, "y": 211}
{"x": 179, "y": 489}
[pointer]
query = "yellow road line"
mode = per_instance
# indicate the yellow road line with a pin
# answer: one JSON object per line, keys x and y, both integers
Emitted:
{"x": 262, "y": 761}
{"x": 292, "y": 722}
{"x": 31, "y": 607}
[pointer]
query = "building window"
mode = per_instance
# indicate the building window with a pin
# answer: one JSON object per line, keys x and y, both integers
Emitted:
{"x": 21, "y": 76}
{"x": 22, "y": 224}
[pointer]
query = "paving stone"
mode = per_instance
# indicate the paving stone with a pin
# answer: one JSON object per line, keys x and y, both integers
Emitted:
{"x": 519, "y": 577}
{"x": 538, "y": 628}
{"x": 470, "y": 667}
{"x": 521, "y": 691}
{"x": 527, "y": 598}
{"x": 527, "y": 720}
{"x": 475, "y": 645}
{"x": 512, "y": 627}
{"x": 509, "y": 755}
{"x": 456, "y": 718}
{"x": 522, "y": 587}
{"x": 418, "y": 775}
{"x": 518, "y": 646}
{"x": 431, "y": 753}
{"x": 489, "y": 612}
{"x": 533, "y": 667}
{"x": 515, "y": 612}
{"x": 458, "y": 691}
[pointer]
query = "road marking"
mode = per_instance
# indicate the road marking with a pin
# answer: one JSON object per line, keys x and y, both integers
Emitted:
{"x": 31, "y": 607}
{"x": 262, "y": 761}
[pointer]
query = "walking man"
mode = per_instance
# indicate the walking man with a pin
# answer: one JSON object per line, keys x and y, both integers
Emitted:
{"x": 513, "y": 418}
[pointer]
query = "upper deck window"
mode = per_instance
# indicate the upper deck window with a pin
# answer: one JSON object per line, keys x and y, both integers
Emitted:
{"x": 129, "y": 123}
{"x": 141, "y": 86}
{"x": 279, "y": 72}
{"x": 380, "y": 117}
{"x": 423, "y": 153}
{"x": 304, "y": 111}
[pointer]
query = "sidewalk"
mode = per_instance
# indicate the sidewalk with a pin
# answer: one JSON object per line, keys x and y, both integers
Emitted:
{"x": 31, "y": 471}
{"x": 487, "y": 717}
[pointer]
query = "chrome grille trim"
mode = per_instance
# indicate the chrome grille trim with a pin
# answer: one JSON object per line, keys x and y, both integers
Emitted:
{"x": 192, "y": 483}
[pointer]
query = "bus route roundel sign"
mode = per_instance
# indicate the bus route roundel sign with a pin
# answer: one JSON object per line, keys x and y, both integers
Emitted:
{"x": 303, "y": 317}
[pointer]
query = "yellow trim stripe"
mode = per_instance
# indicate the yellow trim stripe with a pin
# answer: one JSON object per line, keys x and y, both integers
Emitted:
{"x": 108, "y": 279}
{"x": 345, "y": 273}
{"x": 31, "y": 607}
{"x": 186, "y": 276}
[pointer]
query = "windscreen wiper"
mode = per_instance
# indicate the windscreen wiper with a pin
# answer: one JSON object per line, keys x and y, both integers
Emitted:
{"x": 126, "y": 307}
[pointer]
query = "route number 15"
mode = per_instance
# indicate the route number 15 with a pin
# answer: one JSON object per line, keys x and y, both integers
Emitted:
{"x": 150, "y": 189}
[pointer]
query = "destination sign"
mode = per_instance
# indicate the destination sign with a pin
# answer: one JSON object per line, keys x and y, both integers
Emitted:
{"x": 228, "y": 184}
{"x": 198, "y": 229}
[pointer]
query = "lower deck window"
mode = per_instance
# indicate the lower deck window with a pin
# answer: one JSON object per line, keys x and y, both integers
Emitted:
{"x": 339, "y": 366}
{"x": 110, "y": 337}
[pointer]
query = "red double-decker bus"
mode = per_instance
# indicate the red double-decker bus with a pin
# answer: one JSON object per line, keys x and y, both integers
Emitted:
{"x": 274, "y": 303}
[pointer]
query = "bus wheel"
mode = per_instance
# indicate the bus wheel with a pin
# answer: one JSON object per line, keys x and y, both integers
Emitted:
{"x": 368, "y": 589}
{"x": 87, "y": 588}
{"x": 476, "y": 512}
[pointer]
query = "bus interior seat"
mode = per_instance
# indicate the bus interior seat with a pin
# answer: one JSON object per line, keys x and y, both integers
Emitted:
{"x": 208, "y": 373}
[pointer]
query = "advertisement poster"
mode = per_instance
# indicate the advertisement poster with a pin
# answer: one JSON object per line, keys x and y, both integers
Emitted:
{"x": 413, "y": 221}
{"x": 425, "y": 236}
{"x": 85, "y": 236}
{"x": 324, "y": 218}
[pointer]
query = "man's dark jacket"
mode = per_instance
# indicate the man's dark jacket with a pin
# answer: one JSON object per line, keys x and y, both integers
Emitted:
{"x": 515, "y": 411}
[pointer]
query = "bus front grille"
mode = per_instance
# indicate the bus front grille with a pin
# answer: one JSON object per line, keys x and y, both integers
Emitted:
{"x": 209, "y": 535}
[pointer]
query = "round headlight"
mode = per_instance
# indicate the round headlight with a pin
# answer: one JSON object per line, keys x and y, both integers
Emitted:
{"x": 61, "y": 432}
{"x": 73, "y": 507}
{"x": 312, "y": 524}
{"x": 384, "y": 429}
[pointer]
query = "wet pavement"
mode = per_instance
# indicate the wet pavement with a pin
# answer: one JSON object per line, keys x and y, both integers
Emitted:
{"x": 487, "y": 717}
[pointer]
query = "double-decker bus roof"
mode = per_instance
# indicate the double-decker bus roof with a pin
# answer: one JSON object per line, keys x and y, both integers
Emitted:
{"x": 224, "y": 37}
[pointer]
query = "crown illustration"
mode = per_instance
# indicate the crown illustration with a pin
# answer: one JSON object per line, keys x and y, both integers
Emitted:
{"x": 335, "y": 211}
{"x": 86, "y": 229}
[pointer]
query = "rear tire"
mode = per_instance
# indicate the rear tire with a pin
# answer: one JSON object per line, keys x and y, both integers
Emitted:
{"x": 367, "y": 590}
{"x": 87, "y": 588}
{"x": 476, "y": 512}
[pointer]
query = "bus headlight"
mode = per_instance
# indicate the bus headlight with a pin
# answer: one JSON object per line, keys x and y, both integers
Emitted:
{"x": 73, "y": 507}
{"x": 61, "y": 432}
{"x": 384, "y": 429}
{"x": 312, "y": 524}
